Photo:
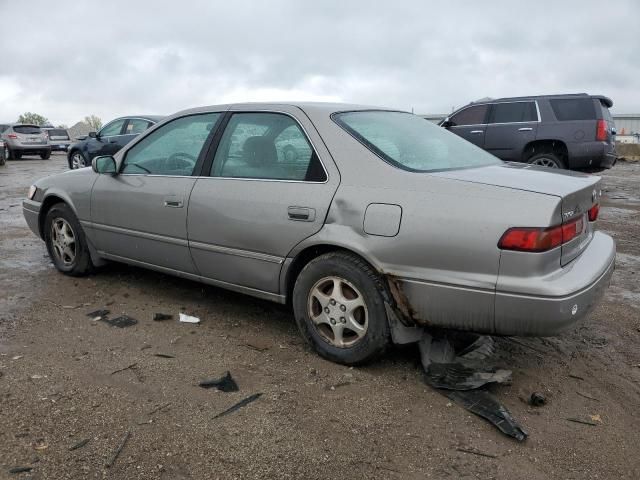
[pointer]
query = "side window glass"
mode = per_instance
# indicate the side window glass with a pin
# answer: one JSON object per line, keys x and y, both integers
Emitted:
{"x": 266, "y": 146}
{"x": 173, "y": 149}
{"x": 513, "y": 112}
{"x": 475, "y": 115}
{"x": 113, "y": 128}
{"x": 136, "y": 126}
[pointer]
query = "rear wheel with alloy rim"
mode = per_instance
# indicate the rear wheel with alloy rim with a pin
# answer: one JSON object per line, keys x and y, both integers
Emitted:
{"x": 550, "y": 160}
{"x": 339, "y": 308}
{"x": 77, "y": 161}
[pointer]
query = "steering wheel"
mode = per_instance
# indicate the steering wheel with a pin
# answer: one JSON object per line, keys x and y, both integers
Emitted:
{"x": 181, "y": 160}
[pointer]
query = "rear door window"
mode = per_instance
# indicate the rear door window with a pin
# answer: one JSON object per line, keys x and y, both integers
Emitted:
{"x": 27, "y": 130}
{"x": 513, "y": 112}
{"x": 475, "y": 115}
{"x": 567, "y": 109}
{"x": 136, "y": 126}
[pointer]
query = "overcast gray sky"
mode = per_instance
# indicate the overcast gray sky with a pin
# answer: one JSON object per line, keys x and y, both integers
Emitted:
{"x": 68, "y": 59}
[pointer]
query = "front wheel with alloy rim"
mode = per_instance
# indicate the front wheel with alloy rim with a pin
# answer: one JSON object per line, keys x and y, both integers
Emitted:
{"x": 66, "y": 242}
{"x": 546, "y": 160}
{"x": 77, "y": 161}
{"x": 339, "y": 308}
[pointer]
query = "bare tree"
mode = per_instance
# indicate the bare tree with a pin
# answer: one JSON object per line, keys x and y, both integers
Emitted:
{"x": 94, "y": 122}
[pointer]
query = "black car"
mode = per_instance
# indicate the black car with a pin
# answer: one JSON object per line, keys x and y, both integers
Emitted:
{"x": 111, "y": 138}
{"x": 573, "y": 131}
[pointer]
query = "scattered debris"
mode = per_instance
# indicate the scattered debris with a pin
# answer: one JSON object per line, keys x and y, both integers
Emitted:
{"x": 161, "y": 407}
{"x": 125, "y": 368}
{"x": 587, "y": 396}
{"x": 159, "y": 317}
{"x": 242, "y": 403}
{"x": 595, "y": 418}
{"x": 254, "y": 347}
{"x": 537, "y": 399}
{"x": 163, "y": 355}
{"x": 578, "y": 377}
{"x": 485, "y": 405}
{"x": 584, "y": 422}
{"x": 114, "y": 457}
{"x": 188, "y": 318}
{"x": 20, "y": 469}
{"x": 80, "y": 444}
{"x": 226, "y": 383}
{"x": 144, "y": 347}
{"x": 476, "y": 452}
{"x": 98, "y": 314}
{"x": 456, "y": 376}
{"x": 17, "y": 357}
{"x": 120, "y": 322}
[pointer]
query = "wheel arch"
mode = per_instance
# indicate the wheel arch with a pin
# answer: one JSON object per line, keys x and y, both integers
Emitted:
{"x": 47, "y": 203}
{"x": 549, "y": 145}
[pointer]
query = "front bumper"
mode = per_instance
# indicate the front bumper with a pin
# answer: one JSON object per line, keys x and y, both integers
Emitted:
{"x": 568, "y": 295}
{"x": 31, "y": 212}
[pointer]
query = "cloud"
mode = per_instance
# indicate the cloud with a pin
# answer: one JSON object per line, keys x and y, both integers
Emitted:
{"x": 122, "y": 57}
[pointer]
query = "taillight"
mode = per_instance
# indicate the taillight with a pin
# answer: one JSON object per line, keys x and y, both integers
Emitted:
{"x": 12, "y": 135}
{"x": 530, "y": 239}
{"x": 593, "y": 213}
{"x": 601, "y": 131}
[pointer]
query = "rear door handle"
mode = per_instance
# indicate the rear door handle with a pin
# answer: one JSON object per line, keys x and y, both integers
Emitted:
{"x": 525, "y": 129}
{"x": 173, "y": 202}
{"x": 476, "y": 131}
{"x": 301, "y": 214}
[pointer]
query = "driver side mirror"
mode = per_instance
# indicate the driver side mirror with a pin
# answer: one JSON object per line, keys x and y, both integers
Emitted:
{"x": 104, "y": 164}
{"x": 446, "y": 123}
{"x": 93, "y": 134}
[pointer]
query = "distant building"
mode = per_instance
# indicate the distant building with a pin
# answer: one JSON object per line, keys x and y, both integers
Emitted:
{"x": 80, "y": 129}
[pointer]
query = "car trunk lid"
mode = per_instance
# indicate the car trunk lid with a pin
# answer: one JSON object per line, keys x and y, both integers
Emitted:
{"x": 578, "y": 193}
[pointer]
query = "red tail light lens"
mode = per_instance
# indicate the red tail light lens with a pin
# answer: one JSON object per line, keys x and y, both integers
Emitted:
{"x": 601, "y": 131}
{"x": 593, "y": 213}
{"x": 12, "y": 135}
{"x": 527, "y": 239}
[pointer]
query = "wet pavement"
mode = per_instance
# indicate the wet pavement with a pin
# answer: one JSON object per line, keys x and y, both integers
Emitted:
{"x": 129, "y": 400}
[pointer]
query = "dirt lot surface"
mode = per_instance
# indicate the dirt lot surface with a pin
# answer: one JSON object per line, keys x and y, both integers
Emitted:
{"x": 60, "y": 384}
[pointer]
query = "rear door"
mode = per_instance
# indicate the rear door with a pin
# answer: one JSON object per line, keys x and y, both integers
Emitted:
{"x": 140, "y": 215}
{"x": 512, "y": 125}
{"x": 470, "y": 123}
{"x": 133, "y": 128}
{"x": 270, "y": 186}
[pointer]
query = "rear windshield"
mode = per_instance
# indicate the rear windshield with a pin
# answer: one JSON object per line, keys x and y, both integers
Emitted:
{"x": 411, "y": 142}
{"x": 567, "y": 109}
{"x": 58, "y": 133}
{"x": 606, "y": 114}
{"x": 26, "y": 130}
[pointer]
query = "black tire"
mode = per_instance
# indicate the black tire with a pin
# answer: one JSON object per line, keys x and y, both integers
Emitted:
{"x": 81, "y": 263}
{"x": 8, "y": 153}
{"x": 550, "y": 160}
{"x": 45, "y": 155}
{"x": 17, "y": 155}
{"x": 369, "y": 285}
{"x": 2, "y": 159}
{"x": 81, "y": 158}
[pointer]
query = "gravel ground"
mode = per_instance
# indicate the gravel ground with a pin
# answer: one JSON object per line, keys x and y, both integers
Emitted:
{"x": 60, "y": 384}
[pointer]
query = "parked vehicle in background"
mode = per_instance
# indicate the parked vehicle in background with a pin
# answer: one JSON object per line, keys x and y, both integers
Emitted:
{"x": 24, "y": 139}
{"x": 382, "y": 225}
{"x": 59, "y": 140}
{"x": 560, "y": 131}
{"x": 3, "y": 152}
{"x": 111, "y": 138}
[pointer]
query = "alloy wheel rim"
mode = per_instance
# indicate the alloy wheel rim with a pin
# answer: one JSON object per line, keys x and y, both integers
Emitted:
{"x": 546, "y": 162}
{"x": 63, "y": 241}
{"x": 338, "y": 311}
{"x": 76, "y": 161}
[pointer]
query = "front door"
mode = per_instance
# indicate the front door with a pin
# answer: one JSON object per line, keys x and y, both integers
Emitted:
{"x": 107, "y": 141}
{"x": 270, "y": 187}
{"x": 140, "y": 215}
{"x": 470, "y": 124}
{"x": 512, "y": 125}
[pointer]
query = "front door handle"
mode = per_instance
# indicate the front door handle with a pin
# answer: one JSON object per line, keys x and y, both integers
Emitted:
{"x": 301, "y": 214}
{"x": 476, "y": 131}
{"x": 525, "y": 129}
{"x": 173, "y": 202}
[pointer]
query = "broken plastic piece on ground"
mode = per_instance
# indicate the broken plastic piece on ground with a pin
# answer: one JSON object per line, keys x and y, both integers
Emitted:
{"x": 584, "y": 422}
{"x": 240, "y": 404}
{"x": 80, "y": 444}
{"x": 98, "y": 313}
{"x": 485, "y": 405}
{"x": 20, "y": 469}
{"x": 115, "y": 455}
{"x": 188, "y": 318}
{"x": 226, "y": 383}
{"x": 456, "y": 376}
{"x": 121, "y": 322}
{"x": 537, "y": 399}
{"x": 158, "y": 317}
{"x": 163, "y": 355}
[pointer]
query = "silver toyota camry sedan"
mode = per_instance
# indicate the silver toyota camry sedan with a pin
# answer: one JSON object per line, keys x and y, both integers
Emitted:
{"x": 373, "y": 224}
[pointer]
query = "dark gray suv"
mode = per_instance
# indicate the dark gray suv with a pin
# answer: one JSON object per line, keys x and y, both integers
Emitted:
{"x": 560, "y": 131}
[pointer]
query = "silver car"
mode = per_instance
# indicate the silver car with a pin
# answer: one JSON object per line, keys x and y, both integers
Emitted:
{"x": 381, "y": 226}
{"x": 25, "y": 139}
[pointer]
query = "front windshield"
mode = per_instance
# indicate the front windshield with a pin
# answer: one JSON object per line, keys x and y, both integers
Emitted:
{"x": 411, "y": 142}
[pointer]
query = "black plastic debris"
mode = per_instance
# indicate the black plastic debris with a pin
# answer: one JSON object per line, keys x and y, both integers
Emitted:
{"x": 20, "y": 469}
{"x": 122, "y": 321}
{"x": 159, "y": 317}
{"x": 163, "y": 355}
{"x": 485, "y": 405}
{"x": 80, "y": 444}
{"x": 537, "y": 399}
{"x": 226, "y": 383}
{"x": 98, "y": 313}
{"x": 242, "y": 403}
{"x": 456, "y": 376}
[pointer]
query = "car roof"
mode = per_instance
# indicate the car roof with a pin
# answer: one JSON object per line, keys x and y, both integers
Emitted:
{"x": 317, "y": 107}
{"x": 24, "y": 125}
{"x": 153, "y": 118}
{"x": 606, "y": 100}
